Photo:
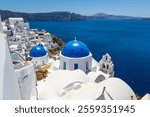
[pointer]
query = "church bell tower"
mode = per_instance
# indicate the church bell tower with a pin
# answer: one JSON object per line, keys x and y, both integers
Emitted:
{"x": 106, "y": 65}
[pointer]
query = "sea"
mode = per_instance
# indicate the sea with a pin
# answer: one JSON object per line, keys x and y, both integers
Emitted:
{"x": 127, "y": 42}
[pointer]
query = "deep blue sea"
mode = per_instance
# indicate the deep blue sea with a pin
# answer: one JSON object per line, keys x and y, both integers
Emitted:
{"x": 127, "y": 41}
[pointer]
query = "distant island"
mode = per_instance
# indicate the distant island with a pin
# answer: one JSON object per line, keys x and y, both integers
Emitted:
{"x": 61, "y": 16}
{"x": 109, "y": 16}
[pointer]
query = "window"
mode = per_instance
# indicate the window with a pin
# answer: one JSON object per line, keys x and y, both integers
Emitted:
{"x": 75, "y": 66}
{"x": 107, "y": 67}
{"x": 87, "y": 65}
{"x": 103, "y": 66}
{"x": 64, "y": 66}
{"x": 106, "y": 58}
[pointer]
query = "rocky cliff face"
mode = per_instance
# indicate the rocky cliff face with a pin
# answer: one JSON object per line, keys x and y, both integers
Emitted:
{"x": 5, "y": 14}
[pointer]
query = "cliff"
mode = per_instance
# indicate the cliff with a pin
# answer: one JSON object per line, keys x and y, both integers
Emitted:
{"x": 65, "y": 16}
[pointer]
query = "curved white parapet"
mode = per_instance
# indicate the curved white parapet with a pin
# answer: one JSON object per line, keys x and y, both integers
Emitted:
{"x": 146, "y": 97}
{"x": 9, "y": 88}
{"x": 75, "y": 85}
{"x": 109, "y": 89}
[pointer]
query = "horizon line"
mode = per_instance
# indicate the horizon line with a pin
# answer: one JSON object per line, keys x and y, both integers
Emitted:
{"x": 74, "y": 12}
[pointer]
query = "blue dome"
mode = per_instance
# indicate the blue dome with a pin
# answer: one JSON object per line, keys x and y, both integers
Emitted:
{"x": 37, "y": 51}
{"x": 75, "y": 49}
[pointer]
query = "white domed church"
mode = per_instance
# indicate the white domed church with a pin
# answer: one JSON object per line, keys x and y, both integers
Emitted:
{"x": 39, "y": 55}
{"x": 76, "y": 55}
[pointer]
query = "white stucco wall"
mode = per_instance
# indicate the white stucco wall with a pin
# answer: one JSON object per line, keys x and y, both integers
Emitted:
{"x": 12, "y": 21}
{"x": 27, "y": 81}
{"x": 40, "y": 60}
{"x": 75, "y": 85}
{"x": 80, "y": 61}
{"x": 9, "y": 88}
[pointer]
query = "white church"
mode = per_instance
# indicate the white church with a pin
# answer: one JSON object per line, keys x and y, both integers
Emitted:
{"x": 76, "y": 55}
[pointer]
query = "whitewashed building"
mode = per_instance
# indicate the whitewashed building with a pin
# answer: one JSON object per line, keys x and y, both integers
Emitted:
{"x": 9, "y": 87}
{"x": 39, "y": 55}
{"x": 76, "y": 55}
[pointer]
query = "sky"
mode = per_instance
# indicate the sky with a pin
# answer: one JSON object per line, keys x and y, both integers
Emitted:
{"x": 85, "y": 7}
